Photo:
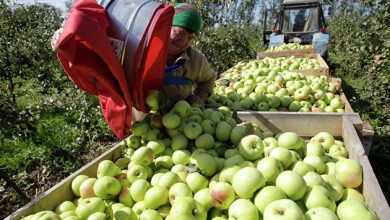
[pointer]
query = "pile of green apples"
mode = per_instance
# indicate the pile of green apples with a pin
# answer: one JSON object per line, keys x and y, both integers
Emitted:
{"x": 193, "y": 163}
{"x": 260, "y": 85}
{"x": 289, "y": 46}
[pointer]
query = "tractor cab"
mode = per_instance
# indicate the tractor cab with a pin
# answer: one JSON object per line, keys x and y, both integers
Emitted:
{"x": 297, "y": 21}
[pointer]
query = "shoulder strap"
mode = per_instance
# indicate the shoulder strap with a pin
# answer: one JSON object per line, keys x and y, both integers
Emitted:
{"x": 169, "y": 79}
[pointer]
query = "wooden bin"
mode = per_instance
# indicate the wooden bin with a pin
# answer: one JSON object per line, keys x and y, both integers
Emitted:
{"x": 285, "y": 53}
{"x": 341, "y": 126}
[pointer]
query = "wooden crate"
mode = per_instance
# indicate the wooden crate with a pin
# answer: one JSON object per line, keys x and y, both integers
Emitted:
{"x": 341, "y": 126}
{"x": 285, "y": 53}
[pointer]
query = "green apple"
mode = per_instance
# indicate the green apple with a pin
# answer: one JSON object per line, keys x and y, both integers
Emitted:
{"x": 292, "y": 184}
{"x": 140, "y": 128}
{"x": 192, "y": 130}
{"x": 324, "y": 138}
{"x": 157, "y": 147}
{"x": 163, "y": 162}
{"x": 283, "y": 155}
{"x": 313, "y": 178}
{"x": 283, "y": 209}
{"x": 179, "y": 142}
{"x": 47, "y": 215}
{"x": 222, "y": 194}
{"x": 153, "y": 134}
{"x": 143, "y": 156}
{"x": 150, "y": 214}
{"x": 171, "y": 120}
{"x": 134, "y": 141}
{"x": 251, "y": 147}
{"x": 330, "y": 169}
{"x": 270, "y": 168}
{"x": 267, "y": 195}
{"x": 181, "y": 157}
{"x": 205, "y": 163}
{"x": 86, "y": 188}
{"x": 125, "y": 197}
{"x": 123, "y": 162}
{"x": 168, "y": 179}
{"x": 231, "y": 152}
{"x": 177, "y": 190}
{"x": 233, "y": 160}
{"x": 164, "y": 210}
{"x": 65, "y": 206}
{"x": 155, "y": 197}
{"x": 247, "y": 181}
{"x": 222, "y": 131}
{"x": 226, "y": 175}
{"x": 301, "y": 167}
{"x": 204, "y": 198}
{"x": 107, "y": 187}
{"x": 355, "y": 209}
{"x": 243, "y": 209}
{"x": 205, "y": 141}
{"x": 290, "y": 140}
{"x": 349, "y": 173}
{"x": 314, "y": 148}
{"x": 319, "y": 196}
{"x": 156, "y": 177}
{"x": 316, "y": 162}
{"x": 333, "y": 186}
{"x": 196, "y": 181}
{"x": 294, "y": 106}
{"x": 97, "y": 216}
{"x": 269, "y": 144}
{"x": 76, "y": 183}
{"x": 338, "y": 151}
{"x": 107, "y": 168}
{"x": 138, "y": 189}
{"x": 136, "y": 172}
{"x": 86, "y": 207}
{"x": 350, "y": 193}
{"x": 320, "y": 213}
{"x": 237, "y": 134}
{"x": 154, "y": 99}
{"x": 208, "y": 126}
{"x": 139, "y": 207}
{"x": 187, "y": 208}
{"x": 181, "y": 108}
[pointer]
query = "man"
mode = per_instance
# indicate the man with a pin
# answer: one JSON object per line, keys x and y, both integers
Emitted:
{"x": 188, "y": 75}
{"x": 299, "y": 21}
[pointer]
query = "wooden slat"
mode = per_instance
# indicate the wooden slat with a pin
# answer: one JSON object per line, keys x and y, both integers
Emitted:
{"x": 306, "y": 125}
{"x": 62, "y": 191}
{"x": 285, "y": 53}
{"x": 371, "y": 189}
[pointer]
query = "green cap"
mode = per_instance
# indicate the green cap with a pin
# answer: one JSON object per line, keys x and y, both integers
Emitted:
{"x": 187, "y": 16}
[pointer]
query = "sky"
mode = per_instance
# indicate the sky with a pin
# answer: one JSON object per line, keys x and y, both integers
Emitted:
{"x": 57, "y": 3}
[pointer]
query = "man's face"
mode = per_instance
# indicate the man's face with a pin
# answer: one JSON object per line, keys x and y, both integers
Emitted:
{"x": 181, "y": 39}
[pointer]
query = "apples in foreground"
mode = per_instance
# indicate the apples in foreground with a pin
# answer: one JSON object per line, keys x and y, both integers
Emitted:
{"x": 292, "y": 184}
{"x": 243, "y": 209}
{"x": 156, "y": 197}
{"x": 283, "y": 209}
{"x": 107, "y": 187}
{"x": 319, "y": 196}
{"x": 353, "y": 209}
{"x": 320, "y": 213}
{"x": 251, "y": 147}
{"x": 270, "y": 168}
{"x": 187, "y": 208}
{"x": 222, "y": 194}
{"x": 247, "y": 181}
{"x": 290, "y": 140}
{"x": 349, "y": 173}
{"x": 88, "y": 206}
{"x": 267, "y": 195}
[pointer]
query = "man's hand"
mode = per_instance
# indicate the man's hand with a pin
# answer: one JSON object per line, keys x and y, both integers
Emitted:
{"x": 55, "y": 38}
{"x": 194, "y": 99}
